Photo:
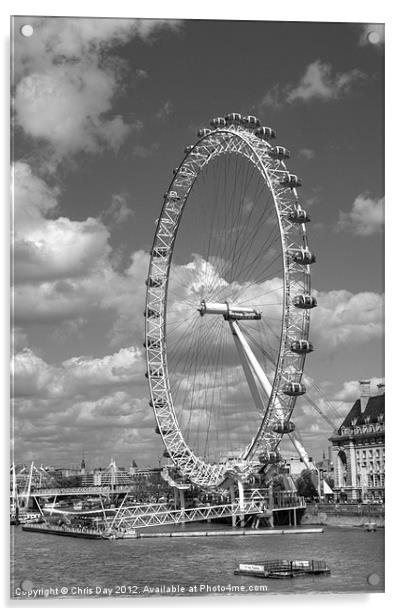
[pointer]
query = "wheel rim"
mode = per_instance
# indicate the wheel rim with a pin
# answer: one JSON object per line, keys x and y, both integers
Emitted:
{"x": 180, "y": 341}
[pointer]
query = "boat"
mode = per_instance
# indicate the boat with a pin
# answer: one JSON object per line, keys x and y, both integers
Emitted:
{"x": 280, "y": 569}
{"x": 63, "y": 530}
{"x": 29, "y": 517}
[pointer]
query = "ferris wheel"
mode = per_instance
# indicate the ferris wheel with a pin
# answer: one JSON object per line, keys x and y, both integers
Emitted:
{"x": 228, "y": 303}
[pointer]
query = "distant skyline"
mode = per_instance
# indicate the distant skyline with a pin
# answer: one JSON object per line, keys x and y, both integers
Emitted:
{"x": 102, "y": 112}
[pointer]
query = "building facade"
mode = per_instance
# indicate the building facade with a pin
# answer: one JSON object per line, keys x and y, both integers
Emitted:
{"x": 358, "y": 449}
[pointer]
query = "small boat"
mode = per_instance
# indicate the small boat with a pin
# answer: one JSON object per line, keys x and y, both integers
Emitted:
{"x": 30, "y": 517}
{"x": 282, "y": 568}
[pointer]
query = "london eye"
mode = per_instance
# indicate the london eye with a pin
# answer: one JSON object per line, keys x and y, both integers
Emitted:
{"x": 228, "y": 303}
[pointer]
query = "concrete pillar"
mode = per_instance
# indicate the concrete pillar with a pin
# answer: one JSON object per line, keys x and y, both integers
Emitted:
{"x": 241, "y": 502}
{"x": 351, "y": 464}
{"x": 232, "y": 496}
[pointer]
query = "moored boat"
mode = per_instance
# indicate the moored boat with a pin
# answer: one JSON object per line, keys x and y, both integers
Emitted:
{"x": 282, "y": 568}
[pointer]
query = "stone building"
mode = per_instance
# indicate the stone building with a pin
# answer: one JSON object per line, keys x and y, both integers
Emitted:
{"x": 358, "y": 450}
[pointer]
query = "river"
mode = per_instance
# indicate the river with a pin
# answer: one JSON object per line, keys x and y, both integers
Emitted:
{"x": 53, "y": 566}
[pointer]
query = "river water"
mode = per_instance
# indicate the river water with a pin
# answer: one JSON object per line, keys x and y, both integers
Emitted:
{"x": 52, "y": 566}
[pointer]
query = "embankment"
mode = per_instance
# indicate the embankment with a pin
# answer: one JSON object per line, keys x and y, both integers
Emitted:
{"x": 344, "y": 515}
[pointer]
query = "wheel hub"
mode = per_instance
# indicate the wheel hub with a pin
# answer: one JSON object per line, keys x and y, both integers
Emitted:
{"x": 230, "y": 312}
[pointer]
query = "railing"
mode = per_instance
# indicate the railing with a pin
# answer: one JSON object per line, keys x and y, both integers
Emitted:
{"x": 156, "y": 515}
{"x": 81, "y": 490}
{"x": 361, "y": 509}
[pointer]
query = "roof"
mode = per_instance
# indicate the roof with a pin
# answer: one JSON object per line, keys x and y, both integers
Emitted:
{"x": 374, "y": 408}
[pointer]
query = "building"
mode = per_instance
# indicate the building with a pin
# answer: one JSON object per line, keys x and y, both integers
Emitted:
{"x": 358, "y": 451}
{"x": 294, "y": 466}
{"x": 112, "y": 475}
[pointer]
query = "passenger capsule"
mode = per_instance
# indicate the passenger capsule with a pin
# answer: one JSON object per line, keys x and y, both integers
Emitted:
{"x": 155, "y": 373}
{"x": 159, "y": 252}
{"x": 283, "y": 426}
{"x": 302, "y": 256}
{"x": 234, "y": 118}
{"x": 150, "y": 313}
{"x": 157, "y": 403}
{"x": 175, "y": 170}
{"x": 299, "y": 216}
{"x": 218, "y": 122}
{"x": 290, "y": 180}
{"x": 166, "y": 454}
{"x": 154, "y": 282}
{"x": 301, "y": 347}
{"x": 171, "y": 195}
{"x": 203, "y": 132}
{"x": 188, "y": 149}
{"x": 250, "y": 121}
{"x": 294, "y": 389}
{"x": 307, "y": 302}
{"x": 269, "y": 457}
{"x": 152, "y": 343}
{"x": 266, "y": 133}
{"x": 279, "y": 153}
{"x": 158, "y": 431}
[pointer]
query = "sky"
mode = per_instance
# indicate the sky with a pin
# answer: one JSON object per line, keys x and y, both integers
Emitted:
{"x": 102, "y": 110}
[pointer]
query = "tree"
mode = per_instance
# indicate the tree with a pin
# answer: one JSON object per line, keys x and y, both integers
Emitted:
{"x": 306, "y": 484}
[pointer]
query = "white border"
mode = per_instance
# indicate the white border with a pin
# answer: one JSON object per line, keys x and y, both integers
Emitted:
{"x": 291, "y": 10}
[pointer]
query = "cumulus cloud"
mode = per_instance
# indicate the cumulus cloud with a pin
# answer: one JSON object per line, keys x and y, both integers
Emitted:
{"x": 119, "y": 421}
{"x": 32, "y": 376}
{"x": 306, "y": 153}
{"x": 351, "y": 390}
{"x": 365, "y": 218}
{"x": 319, "y": 82}
{"x": 143, "y": 151}
{"x": 33, "y": 198}
{"x": 67, "y": 80}
{"x": 18, "y": 339}
{"x": 48, "y": 249}
{"x": 344, "y": 318}
{"x": 165, "y": 110}
{"x": 63, "y": 269}
{"x": 118, "y": 211}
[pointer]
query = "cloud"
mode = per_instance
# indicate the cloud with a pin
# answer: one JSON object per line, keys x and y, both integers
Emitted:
{"x": 164, "y": 111}
{"x": 319, "y": 82}
{"x": 118, "y": 421}
{"x": 351, "y": 390}
{"x": 63, "y": 270}
{"x": 372, "y": 35}
{"x": 118, "y": 211}
{"x": 46, "y": 249}
{"x": 33, "y": 198}
{"x": 344, "y": 318}
{"x": 67, "y": 80}
{"x": 142, "y": 151}
{"x": 34, "y": 377}
{"x": 18, "y": 339}
{"x": 306, "y": 153}
{"x": 365, "y": 218}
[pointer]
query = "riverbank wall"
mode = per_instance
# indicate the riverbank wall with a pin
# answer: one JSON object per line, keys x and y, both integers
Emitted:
{"x": 344, "y": 515}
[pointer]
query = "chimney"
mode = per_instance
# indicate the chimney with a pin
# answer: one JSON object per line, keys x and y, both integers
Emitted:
{"x": 365, "y": 394}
